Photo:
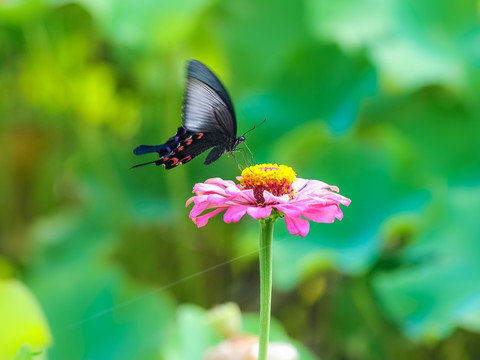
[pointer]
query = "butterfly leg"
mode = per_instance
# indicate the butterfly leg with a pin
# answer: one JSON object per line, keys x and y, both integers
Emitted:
{"x": 244, "y": 156}
{"x": 251, "y": 154}
{"x": 246, "y": 160}
{"x": 240, "y": 167}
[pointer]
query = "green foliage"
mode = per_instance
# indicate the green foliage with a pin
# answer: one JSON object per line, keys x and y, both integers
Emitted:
{"x": 22, "y": 322}
{"x": 25, "y": 354}
{"x": 377, "y": 97}
{"x": 446, "y": 257}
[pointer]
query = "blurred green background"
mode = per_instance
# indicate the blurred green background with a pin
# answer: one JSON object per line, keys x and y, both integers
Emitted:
{"x": 379, "y": 97}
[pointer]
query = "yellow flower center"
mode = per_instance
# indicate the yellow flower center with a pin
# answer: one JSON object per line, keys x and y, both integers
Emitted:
{"x": 276, "y": 179}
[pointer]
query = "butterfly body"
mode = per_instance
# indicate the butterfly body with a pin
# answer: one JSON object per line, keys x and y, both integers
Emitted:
{"x": 208, "y": 121}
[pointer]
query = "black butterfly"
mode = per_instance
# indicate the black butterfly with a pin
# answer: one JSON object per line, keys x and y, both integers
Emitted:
{"x": 208, "y": 120}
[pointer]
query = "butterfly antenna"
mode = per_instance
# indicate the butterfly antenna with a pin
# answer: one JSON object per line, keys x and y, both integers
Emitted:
{"x": 254, "y": 126}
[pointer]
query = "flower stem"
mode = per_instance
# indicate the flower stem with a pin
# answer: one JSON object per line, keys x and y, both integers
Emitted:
{"x": 265, "y": 255}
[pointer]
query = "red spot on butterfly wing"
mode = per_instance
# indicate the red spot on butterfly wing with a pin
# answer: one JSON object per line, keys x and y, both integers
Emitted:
{"x": 186, "y": 159}
{"x": 170, "y": 162}
{"x": 199, "y": 135}
{"x": 180, "y": 148}
{"x": 188, "y": 141}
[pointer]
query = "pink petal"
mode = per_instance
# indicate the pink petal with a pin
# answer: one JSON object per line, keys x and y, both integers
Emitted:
{"x": 198, "y": 209}
{"x": 339, "y": 214}
{"x": 294, "y": 209}
{"x": 220, "y": 182}
{"x": 331, "y": 197}
{"x": 323, "y": 214}
{"x": 297, "y": 225}
{"x": 344, "y": 201}
{"x": 244, "y": 197}
{"x": 189, "y": 201}
{"x": 272, "y": 199}
{"x": 200, "y": 199}
{"x": 299, "y": 184}
{"x": 259, "y": 212}
{"x": 217, "y": 199}
{"x": 233, "y": 190}
{"x": 313, "y": 199}
{"x": 202, "y": 188}
{"x": 202, "y": 220}
{"x": 316, "y": 186}
{"x": 234, "y": 213}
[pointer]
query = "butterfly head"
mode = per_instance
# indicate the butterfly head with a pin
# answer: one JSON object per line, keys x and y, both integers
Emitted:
{"x": 238, "y": 141}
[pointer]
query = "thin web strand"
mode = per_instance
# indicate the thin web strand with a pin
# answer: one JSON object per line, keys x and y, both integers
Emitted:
{"x": 158, "y": 290}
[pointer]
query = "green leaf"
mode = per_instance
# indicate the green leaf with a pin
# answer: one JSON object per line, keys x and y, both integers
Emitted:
{"x": 439, "y": 290}
{"x": 191, "y": 334}
{"x": 22, "y": 321}
{"x": 413, "y": 43}
{"x": 24, "y": 353}
{"x": 148, "y": 24}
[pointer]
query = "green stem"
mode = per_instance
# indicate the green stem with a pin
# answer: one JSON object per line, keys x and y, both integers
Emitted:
{"x": 265, "y": 254}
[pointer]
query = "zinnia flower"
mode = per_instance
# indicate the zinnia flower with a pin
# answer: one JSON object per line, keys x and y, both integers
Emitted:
{"x": 265, "y": 188}
{"x": 265, "y": 192}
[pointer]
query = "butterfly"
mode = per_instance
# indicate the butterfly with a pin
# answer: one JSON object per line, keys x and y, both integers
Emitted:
{"x": 208, "y": 121}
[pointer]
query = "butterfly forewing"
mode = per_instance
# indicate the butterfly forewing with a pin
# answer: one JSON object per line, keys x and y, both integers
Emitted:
{"x": 200, "y": 107}
{"x": 197, "y": 70}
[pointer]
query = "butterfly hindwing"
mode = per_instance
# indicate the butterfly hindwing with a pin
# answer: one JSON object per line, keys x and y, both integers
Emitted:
{"x": 163, "y": 149}
{"x": 187, "y": 148}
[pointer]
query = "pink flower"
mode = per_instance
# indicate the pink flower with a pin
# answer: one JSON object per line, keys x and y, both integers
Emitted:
{"x": 265, "y": 188}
